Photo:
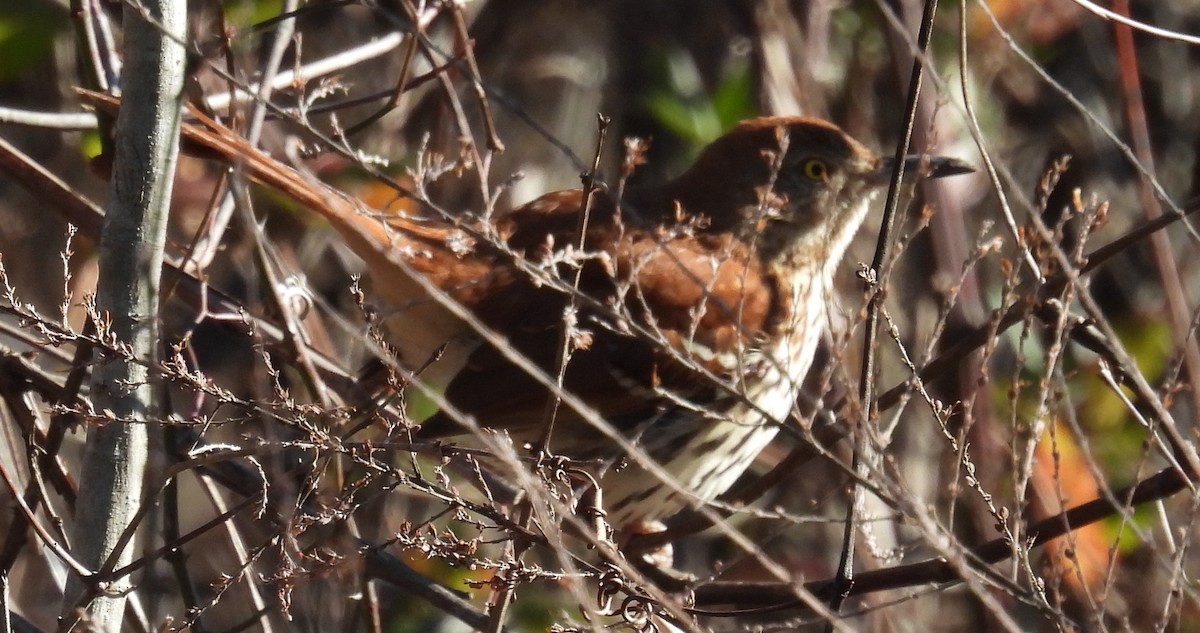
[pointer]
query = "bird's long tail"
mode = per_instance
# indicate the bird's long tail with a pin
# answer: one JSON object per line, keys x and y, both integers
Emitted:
{"x": 393, "y": 248}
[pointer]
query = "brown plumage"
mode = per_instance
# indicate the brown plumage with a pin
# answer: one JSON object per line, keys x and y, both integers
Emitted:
{"x": 720, "y": 273}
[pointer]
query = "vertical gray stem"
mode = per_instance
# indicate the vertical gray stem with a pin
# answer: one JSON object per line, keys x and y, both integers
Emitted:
{"x": 146, "y": 148}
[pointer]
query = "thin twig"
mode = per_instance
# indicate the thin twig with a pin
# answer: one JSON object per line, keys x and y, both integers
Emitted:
{"x": 862, "y": 461}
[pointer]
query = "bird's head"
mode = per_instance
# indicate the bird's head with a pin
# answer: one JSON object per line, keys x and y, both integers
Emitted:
{"x": 793, "y": 184}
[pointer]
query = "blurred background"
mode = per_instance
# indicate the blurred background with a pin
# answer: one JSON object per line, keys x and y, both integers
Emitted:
{"x": 1070, "y": 118}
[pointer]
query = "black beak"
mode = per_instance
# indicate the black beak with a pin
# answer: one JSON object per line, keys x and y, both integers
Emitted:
{"x": 925, "y": 166}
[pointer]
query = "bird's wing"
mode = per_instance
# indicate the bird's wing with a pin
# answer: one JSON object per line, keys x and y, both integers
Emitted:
{"x": 658, "y": 311}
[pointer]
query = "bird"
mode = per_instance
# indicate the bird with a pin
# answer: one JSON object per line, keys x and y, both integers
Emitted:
{"x": 685, "y": 316}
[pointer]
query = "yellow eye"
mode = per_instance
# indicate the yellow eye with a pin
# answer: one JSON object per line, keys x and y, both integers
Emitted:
{"x": 816, "y": 169}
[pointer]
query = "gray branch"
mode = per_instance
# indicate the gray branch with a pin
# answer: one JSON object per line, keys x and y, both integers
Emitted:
{"x": 146, "y": 148}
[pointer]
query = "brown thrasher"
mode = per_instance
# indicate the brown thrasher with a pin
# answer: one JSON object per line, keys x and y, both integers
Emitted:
{"x": 699, "y": 310}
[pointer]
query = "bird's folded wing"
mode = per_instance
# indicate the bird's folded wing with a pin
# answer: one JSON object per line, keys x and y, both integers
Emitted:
{"x": 660, "y": 316}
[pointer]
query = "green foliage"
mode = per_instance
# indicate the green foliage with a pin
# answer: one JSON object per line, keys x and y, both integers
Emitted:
{"x": 1117, "y": 438}
{"x": 246, "y": 13}
{"x": 685, "y": 107}
{"x": 1120, "y": 531}
{"x": 90, "y": 144}
{"x": 27, "y": 31}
